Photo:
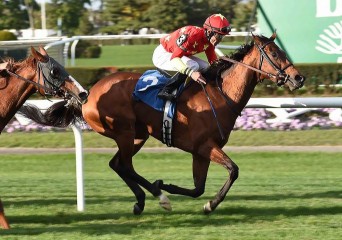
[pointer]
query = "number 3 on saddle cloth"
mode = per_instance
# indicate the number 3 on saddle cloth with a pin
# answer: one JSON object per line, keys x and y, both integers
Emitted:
{"x": 147, "y": 89}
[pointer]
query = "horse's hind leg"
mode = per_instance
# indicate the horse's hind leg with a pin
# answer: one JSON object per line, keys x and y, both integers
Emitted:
{"x": 200, "y": 167}
{"x": 3, "y": 221}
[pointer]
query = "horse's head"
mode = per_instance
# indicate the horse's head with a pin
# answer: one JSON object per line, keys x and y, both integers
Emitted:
{"x": 275, "y": 63}
{"x": 57, "y": 81}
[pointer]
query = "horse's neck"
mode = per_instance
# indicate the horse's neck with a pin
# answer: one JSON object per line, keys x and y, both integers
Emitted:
{"x": 239, "y": 83}
{"x": 13, "y": 95}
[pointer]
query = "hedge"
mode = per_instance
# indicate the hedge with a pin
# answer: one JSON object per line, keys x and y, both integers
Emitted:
{"x": 316, "y": 76}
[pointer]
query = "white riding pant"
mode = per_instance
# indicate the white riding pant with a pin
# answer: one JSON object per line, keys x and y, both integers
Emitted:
{"x": 162, "y": 60}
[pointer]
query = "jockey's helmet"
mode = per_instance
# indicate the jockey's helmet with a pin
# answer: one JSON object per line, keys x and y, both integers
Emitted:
{"x": 217, "y": 23}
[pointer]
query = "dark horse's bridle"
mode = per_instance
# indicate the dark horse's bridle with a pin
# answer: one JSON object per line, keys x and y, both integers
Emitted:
{"x": 281, "y": 76}
{"x": 53, "y": 77}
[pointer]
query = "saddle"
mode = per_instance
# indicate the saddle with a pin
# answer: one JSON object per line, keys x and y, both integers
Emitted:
{"x": 147, "y": 89}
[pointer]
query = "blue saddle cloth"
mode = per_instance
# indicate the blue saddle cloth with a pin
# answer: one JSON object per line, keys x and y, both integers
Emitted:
{"x": 148, "y": 87}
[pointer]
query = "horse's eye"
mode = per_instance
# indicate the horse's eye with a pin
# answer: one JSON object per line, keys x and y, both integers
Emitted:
{"x": 274, "y": 54}
{"x": 54, "y": 72}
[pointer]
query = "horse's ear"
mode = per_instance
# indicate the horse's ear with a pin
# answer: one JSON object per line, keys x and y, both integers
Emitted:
{"x": 274, "y": 35}
{"x": 43, "y": 51}
{"x": 255, "y": 38}
{"x": 38, "y": 56}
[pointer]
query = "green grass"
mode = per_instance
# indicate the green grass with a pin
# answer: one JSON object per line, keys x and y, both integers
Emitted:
{"x": 120, "y": 56}
{"x": 124, "y": 56}
{"x": 277, "y": 196}
{"x": 316, "y": 137}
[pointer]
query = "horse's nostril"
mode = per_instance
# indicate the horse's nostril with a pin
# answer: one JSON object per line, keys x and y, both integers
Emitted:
{"x": 83, "y": 95}
{"x": 300, "y": 78}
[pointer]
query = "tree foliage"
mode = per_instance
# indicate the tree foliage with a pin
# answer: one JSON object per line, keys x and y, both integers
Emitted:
{"x": 85, "y": 27}
{"x": 117, "y": 16}
{"x": 167, "y": 15}
{"x": 69, "y": 11}
{"x": 245, "y": 15}
{"x": 121, "y": 15}
{"x": 199, "y": 10}
{"x": 13, "y": 15}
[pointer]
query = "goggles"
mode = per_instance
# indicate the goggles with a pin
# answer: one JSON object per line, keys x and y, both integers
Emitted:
{"x": 224, "y": 30}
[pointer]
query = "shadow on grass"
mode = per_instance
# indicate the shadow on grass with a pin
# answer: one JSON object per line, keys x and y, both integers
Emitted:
{"x": 66, "y": 200}
{"x": 119, "y": 223}
{"x": 123, "y": 222}
{"x": 94, "y": 199}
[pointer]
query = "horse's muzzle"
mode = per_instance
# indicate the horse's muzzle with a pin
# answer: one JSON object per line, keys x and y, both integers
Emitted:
{"x": 296, "y": 82}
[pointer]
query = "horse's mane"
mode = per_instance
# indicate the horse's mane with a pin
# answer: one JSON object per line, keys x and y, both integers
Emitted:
{"x": 14, "y": 65}
{"x": 221, "y": 65}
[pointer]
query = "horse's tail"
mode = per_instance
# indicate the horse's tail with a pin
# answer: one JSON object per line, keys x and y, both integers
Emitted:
{"x": 60, "y": 114}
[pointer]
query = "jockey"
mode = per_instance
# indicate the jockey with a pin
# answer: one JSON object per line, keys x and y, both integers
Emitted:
{"x": 176, "y": 50}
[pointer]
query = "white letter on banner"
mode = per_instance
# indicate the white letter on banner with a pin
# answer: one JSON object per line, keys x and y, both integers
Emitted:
{"x": 323, "y": 8}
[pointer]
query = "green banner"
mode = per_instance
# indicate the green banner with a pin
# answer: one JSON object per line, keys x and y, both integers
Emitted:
{"x": 310, "y": 31}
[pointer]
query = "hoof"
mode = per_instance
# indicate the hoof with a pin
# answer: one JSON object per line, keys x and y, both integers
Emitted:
{"x": 207, "y": 208}
{"x": 137, "y": 210}
{"x": 3, "y": 221}
{"x": 158, "y": 183}
{"x": 164, "y": 202}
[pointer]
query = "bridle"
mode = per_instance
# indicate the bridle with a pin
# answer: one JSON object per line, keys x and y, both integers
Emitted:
{"x": 50, "y": 85}
{"x": 281, "y": 76}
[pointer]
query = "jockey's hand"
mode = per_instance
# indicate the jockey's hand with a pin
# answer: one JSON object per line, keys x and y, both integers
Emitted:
{"x": 197, "y": 76}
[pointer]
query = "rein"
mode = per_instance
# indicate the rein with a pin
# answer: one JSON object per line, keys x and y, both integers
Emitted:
{"x": 250, "y": 67}
{"x": 28, "y": 80}
{"x": 281, "y": 76}
{"x": 213, "y": 109}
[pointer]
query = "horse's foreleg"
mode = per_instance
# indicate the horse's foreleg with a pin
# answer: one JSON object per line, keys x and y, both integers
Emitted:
{"x": 3, "y": 220}
{"x": 136, "y": 189}
{"x": 218, "y": 156}
{"x": 200, "y": 167}
{"x": 140, "y": 139}
{"x": 122, "y": 164}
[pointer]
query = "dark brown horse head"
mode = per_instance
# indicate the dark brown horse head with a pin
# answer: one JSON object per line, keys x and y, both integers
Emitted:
{"x": 274, "y": 61}
{"x": 56, "y": 80}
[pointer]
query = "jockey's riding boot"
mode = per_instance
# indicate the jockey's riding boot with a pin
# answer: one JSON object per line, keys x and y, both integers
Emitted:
{"x": 175, "y": 81}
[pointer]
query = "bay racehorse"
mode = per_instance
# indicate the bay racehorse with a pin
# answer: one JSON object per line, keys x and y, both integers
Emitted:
{"x": 37, "y": 73}
{"x": 112, "y": 112}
